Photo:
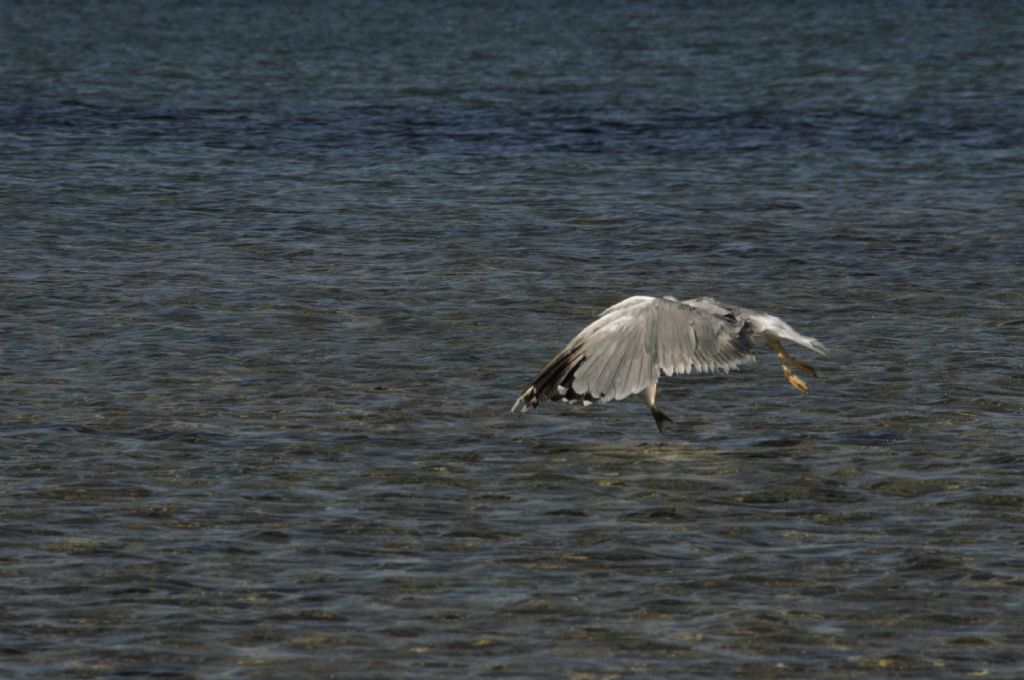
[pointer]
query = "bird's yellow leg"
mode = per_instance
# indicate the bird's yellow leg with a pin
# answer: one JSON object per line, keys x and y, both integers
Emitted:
{"x": 800, "y": 366}
{"x": 791, "y": 360}
{"x": 787, "y": 360}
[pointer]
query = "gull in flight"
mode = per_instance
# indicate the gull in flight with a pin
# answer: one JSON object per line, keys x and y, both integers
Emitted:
{"x": 638, "y": 340}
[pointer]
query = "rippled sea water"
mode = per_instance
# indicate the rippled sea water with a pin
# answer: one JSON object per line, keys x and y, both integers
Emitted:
{"x": 272, "y": 277}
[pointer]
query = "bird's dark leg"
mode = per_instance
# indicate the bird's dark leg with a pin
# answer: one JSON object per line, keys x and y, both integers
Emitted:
{"x": 659, "y": 416}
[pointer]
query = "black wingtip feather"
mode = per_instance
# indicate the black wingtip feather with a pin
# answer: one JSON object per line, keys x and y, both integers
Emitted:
{"x": 554, "y": 382}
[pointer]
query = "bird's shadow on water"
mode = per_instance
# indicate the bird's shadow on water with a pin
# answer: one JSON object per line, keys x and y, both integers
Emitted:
{"x": 667, "y": 447}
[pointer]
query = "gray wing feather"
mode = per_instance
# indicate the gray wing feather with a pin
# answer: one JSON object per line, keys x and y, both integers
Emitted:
{"x": 634, "y": 342}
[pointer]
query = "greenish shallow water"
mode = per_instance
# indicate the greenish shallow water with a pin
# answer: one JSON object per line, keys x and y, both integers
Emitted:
{"x": 272, "y": 277}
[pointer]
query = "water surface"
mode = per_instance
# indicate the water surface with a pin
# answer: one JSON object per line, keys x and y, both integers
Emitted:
{"x": 272, "y": 277}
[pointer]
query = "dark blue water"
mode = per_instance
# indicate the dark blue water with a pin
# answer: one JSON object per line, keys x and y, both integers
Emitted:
{"x": 272, "y": 276}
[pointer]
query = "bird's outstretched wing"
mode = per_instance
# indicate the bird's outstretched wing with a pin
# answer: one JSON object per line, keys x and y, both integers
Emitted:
{"x": 634, "y": 342}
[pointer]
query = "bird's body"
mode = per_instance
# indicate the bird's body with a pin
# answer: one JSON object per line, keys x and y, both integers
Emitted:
{"x": 638, "y": 340}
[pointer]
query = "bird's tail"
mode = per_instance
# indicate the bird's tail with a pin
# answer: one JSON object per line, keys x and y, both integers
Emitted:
{"x": 775, "y": 328}
{"x": 805, "y": 341}
{"x": 812, "y": 344}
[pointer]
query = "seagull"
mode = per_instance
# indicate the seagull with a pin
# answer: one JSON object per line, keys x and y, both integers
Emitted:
{"x": 635, "y": 342}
